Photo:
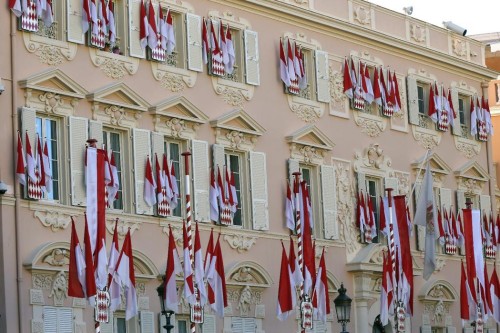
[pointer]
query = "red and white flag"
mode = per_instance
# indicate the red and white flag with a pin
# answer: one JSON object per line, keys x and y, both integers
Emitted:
{"x": 152, "y": 29}
{"x": 86, "y": 16}
{"x": 125, "y": 270}
{"x": 285, "y": 77}
{"x": 234, "y": 194}
{"x": 167, "y": 179}
{"x": 199, "y": 270}
{"x": 47, "y": 13}
{"x": 473, "y": 117}
{"x": 214, "y": 193}
{"x": 369, "y": 95}
{"x": 352, "y": 73}
{"x": 15, "y": 6}
{"x": 286, "y": 289}
{"x": 103, "y": 16}
{"x": 173, "y": 268}
{"x": 296, "y": 62}
{"x": 111, "y": 22}
{"x": 371, "y": 219}
{"x": 160, "y": 180}
{"x": 289, "y": 62}
{"x": 189, "y": 294}
{"x": 40, "y": 164}
{"x": 149, "y": 185}
{"x": 47, "y": 162}
{"x": 289, "y": 209}
{"x": 230, "y": 52}
{"x": 473, "y": 245}
{"x": 163, "y": 28}
{"x": 90, "y": 286}
{"x": 387, "y": 293}
{"x": 76, "y": 278}
{"x": 294, "y": 266}
{"x": 208, "y": 260}
{"x": 170, "y": 33}
{"x": 144, "y": 26}
{"x": 467, "y": 300}
{"x": 303, "y": 75}
{"x": 383, "y": 87}
{"x": 21, "y": 162}
{"x": 93, "y": 17}
{"x": 495, "y": 295}
{"x": 487, "y": 117}
{"x": 217, "y": 280}
{"x": 114, "y": 253}
{"x": 204, "y": 42}
{"x": 397, "y": 98}
{"x": 223, "y": 44}
{"x": 451, "y": 110}
{"x": 175, "y": 189}
{"x": 486, "y": 295}
{"x": 377, "y": 89}
{"x": 321, "y": 299}
{"x": 309, "y": 272}
{"x": 214, "y": 45}
{"x": 114, "y": 186}
{"x": 220, "y": 188}
{"x": 362, "y": 220}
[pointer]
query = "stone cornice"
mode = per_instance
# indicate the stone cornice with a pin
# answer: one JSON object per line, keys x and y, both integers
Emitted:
{"x": 333, "y": 26}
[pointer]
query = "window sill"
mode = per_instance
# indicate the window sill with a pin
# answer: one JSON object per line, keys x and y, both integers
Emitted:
{"x": 370, "y": 124}
{"x": 49, "y": 51}
{"x": 468, "y": 147}
{"x": 113, "y": 65}
{"x": 173, "y": 78}
{"x": 233, "y": 93}
{"x": 306, "y": 110}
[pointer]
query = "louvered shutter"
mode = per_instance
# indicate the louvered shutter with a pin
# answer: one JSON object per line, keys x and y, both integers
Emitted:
{"x": 134, "y": 38}
{"x": 425, "y": 329}
{"x": 322, "y": 76}
{"x": 74, "y": 21}
{"x": 252, "y": 73}
{"x": 461, "y": 199}
{"x": 49, "y": 319}
{"x": 64, "y": 320}
{"x": 77, "y": 137}
{"x": 293, "y": 166}
{"x": 201, "y": 180}
{"x": 208, "y": 324}
{"x": 95, "y": 132}
{"x": 445, "y": 198}
{"x": 132, "y": 325}
{"x": 142, "y": 148}
{"x": 456, "y": 129}
{"x": 147, "y": 322}
{"x": 468, "y": 330}
{"x": 218, "y": 158}
{"x": 157, "y": 148}
{"x": 361, "y": 182}
{"x": 108, "y": 327}
{"x": 391, "y": 182}
{"x": 329, "y": 198}
{"x": 411, "y": 89}
{"x": 485, "y": 202}
{"x": 194, "y": 47}
{"x": 28, "y": 125}
{"x": 319, "y": 327}
{"x": 243, "y": 325}
{"x": 162, "y": 321}
{"x": 258, "y": 178}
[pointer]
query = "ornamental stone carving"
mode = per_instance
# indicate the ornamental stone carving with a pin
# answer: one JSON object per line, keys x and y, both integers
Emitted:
{"x": 113, "y": 65}
{"x": 373, "y": 157}
{"x": 469, "y": 148}
{"x": 171, "y": 77}
{"x": 306, "y": 113}
{"x": 459, "y": 47}
{"x": 245, "y": 300}
{"x": 54, "y": 219}
{"x": 36, "y": 297}
{"x": 337, "y": 86}
{"x": 37, "y": 326}
{"x": 58, "y": 257}
{"x": 59, "y": 289}
{"x": 52, "y": 101}
{"x": 177, "y": 127}
{"x": 426, "y": 138}
{"x": 240, "y": 242}
{"x": 172, "y": 82}
{"x": 41, "y": 281}
{"x": 362, "y": 15}
{"x": 123, "y": 227}
{"x": 232, "y": 93}
{"x": 371, "y": 125}
{"x": 236, "y": 139}
{"x": 49, "y": 51}
{"x": 418, "y": 33}
{"x": 403, "y": 182}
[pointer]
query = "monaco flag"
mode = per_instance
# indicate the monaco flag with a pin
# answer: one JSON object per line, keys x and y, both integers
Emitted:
{"x": 473, "y": 244}
{"x": 76, "y": 279}
{"x": 47, "y": 168}
{"x": 204, "y": 42}
{"x": 170, "y": 33}
{"x": 149, "y": 185}
{"x": 114, "y": 253}
{"x": 309, "y": 269}
{"x": 144, "y": 26}
{"x": 321, "y": 299}
{"x": 214, "y": 193}
{"x": 199, "y": 271}
{"x": 90, "y": 286}
{"x": 152, "y": 29}
{"x": 289, "y": 209}
{"x": 15, "y": 6}
{"x": 286, "y": 289}
{"x": 21, "y": 162}
{"x": 208, "y": 260}
{"x": 189, "y": 294}
{"x": 294, "y": 266}
{"x": 285, "y": 77}
{"x": 495, "y": 294}
{"x": 173, "y": 268}
{"x": 30, "y": 160}
{"x": 125, "y": 270}
{"x": 114, "y": 186}
{"x": 217, "y": 280}
{"x": 386, "y": 303}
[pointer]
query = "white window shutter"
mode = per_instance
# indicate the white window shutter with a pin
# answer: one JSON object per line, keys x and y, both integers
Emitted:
{"x": 456, "y": 129}
{"x": 49, "y": 319}
{"x": 134, "y": 39}
{"x": 425, "y": 329}
{"x": 461, "y": 199}
{"x": 319, "y": 327}
{"x": 78, "y": 131}
{"x": 209, "y": 324}
{"x": 485, "y": 202}
{"x": 142, "y": 148}
{"x": 361, "y": 182}
{"x": 218, "y": 158}
{"x": 194, "y": 47}
{"x": 201, "y": 180}
{"x": 74, "y": 22}
{"x": 411, "y": 88}
{"x": 109, "y": 326}
{"x": 157, "y": 147}
{"x": 64, "y": 320}
{"x": 95, "y": 132}
{"x": 252, "y": 73}
{"x": 147, "y": 321}
{"x": 329, "y": 198}
{"x": 237, "y": 325}
{"x": 132, "y": 325}
{"x": 445, "y": 198}
{"x": 391, "y": 182}
{"x": 293, "y": 166}
{"x": 28, "y": 125}
{"x": 322, "y": 76}
{"x": 451, "y": 329}
{"x": 258, "y": 179}
{"x": 162, "y": 321}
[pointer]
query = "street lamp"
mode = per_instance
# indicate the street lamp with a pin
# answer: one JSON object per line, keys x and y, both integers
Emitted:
{"x": 343, "y": 307}
{"x": 167, "y": 313}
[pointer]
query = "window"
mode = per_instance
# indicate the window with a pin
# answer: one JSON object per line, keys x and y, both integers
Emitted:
{"x": 233, "y": 163}
{"x": 309, "y": 175}
{"x": 57, "y": 319}
{"x": 422, "y": 98}
{"x": 183, "y": 326}
{"x": 463, "y": 114}
{"x": 243, "y": 325}
{"x": 374, "y": 191}
{"x": 112, "y": 141}
{"x": 51, "y": 30}
{"x": 47, "y": 130}
{"x": 172, "y": 151}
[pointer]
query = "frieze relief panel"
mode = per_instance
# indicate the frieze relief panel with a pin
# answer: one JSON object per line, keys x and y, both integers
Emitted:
{"x": 361, "y": 13}
{"x": 123, "y": 226}
{"x": 459, "y": 47}
{"x": 240, "y": 242}
{"x": 113, "y": 65}
{"x": 49, "y": 51}
{"x": 437, "y": 297}
{"x": 417, "y": 32}
{"x": 339, "y": 103}
{"x": 173, "y": 78}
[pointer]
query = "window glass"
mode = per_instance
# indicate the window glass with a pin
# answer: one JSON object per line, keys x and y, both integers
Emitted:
{"x": 112, "y": 141}
{"x": 233, "y": 163}
{"x": 421, "y": 99}
{"x": 47, "y": 130}
{"x": 373, "y": 189}
{"x": 173, "y": 153}
{"x": 182, "y": 326}
{"x": 121, "y": 325}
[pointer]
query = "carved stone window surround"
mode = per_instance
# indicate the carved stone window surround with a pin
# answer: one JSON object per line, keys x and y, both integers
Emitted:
{"x": 113, "y": 65}
{"x": 372, "y": 161}
{"x": 49, "y": 51}
{"x": 304, "y": 150}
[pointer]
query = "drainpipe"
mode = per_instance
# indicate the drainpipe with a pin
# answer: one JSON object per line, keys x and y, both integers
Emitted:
{"x": 13, "y": 36}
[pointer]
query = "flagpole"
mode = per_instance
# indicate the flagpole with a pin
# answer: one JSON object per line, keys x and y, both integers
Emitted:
{"x": 187, "y": 187}
{"x": 298, "y": 228}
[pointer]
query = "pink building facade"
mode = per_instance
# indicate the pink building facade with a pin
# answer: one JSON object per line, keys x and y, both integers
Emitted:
{"x": 59, "y": 86}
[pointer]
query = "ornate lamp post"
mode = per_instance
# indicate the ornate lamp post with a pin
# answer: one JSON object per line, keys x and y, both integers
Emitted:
{"x": 343, "y": 307}
{"x": 167, "y": 313}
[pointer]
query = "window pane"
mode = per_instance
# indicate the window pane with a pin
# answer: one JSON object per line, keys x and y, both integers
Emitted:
{"x": 47, "y": 130}
{"x": 121, "y": 325}
{"x": 421, "y": 99}
{"x": 174, "y": 156}
{"x": 373, "y": 192}
{"x": 234, "y": 167}
{"x": 112, "y": 141}
{"x": 461, "y": 110}
{"x": 181, "y": 326}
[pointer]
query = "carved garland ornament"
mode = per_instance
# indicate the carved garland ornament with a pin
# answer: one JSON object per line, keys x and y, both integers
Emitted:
{"x": 426, "y": 140}
{"x": 336, "y": 86}
{"x": 49, "y": 51}
{"x": 418, "y": 33}
{"x": 123, "y": 227}
{"x": 231, "y": 96}
{"x": 177, "y": 126}
{"x": 113, "y": 65}
{"x": 52, "y": 101}
{"x": 172, "y": 82}
{"x": 58, "y": 257}
{"x": 54, "y": 219}
{"x": 239, "y": 242}
{"x": 306, "y": 113}
{"x": 371, "y": 127}
{"x": 468, "y": 149}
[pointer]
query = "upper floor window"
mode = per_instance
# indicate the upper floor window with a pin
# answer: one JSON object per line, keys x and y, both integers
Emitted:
{"x": 423, "y": 98}
{"x": 172, "y": 149}
{"x": 233, "y": 162}
{"x": 464, "y": 114}
{"x": 47, "y": 130}
{"x": 112, "y": 141}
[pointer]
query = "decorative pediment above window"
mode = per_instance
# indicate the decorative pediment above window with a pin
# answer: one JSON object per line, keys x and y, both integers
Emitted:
{"x": 309, "y": 145}
{"x": 117, "y": 105}
{"x": 373, "y": 161}
{"x": 439, "y": 168}
{"x": 177, "y": 117}
{"x": 52, "y": 91}
{"x": 437, "y": 298}
{"x": 471, "y": 177}
{"x": 237, "y": 129}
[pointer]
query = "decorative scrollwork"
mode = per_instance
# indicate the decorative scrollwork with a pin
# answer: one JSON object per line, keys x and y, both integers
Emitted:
{"x": 52, "y": 101}
{"x": 236, "y": 139}
{"x": 58, "y": 257}
{"x": 306, "y": 113}
{"x": 123, "y": 227}
{"x": 54, "y": 219}
{"x": 177, "y": 127}
{"x": 172, "y": 82}
{"x": 362, "y": 15}
{"x": 371, "y": 127}
{"x": 49, "y": 55}
{"x": 239, "y": 242}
